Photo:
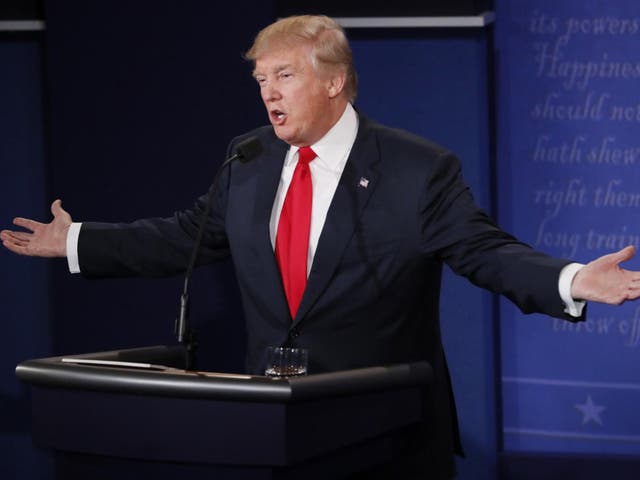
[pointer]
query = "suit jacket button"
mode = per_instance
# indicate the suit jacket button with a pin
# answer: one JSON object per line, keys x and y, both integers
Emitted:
{"x": 294, "y": 333}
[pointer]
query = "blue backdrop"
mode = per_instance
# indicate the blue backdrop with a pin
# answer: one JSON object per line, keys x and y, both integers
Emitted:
{"x": 568, "y": 183}
{"x": 437, "y": 83}
{"x": 24, "y": 292}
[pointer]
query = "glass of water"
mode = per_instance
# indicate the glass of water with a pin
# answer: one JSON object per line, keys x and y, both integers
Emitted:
{"x": 286, "y": 362}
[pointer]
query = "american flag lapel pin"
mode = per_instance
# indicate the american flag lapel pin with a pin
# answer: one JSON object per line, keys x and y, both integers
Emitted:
{"x": 364, "y": 182}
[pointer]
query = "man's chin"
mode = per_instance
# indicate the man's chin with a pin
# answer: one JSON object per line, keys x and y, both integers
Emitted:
{"x": 284, "y": 135}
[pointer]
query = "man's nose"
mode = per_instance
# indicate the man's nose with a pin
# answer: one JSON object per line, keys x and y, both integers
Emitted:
{"x": 269, "y": 92}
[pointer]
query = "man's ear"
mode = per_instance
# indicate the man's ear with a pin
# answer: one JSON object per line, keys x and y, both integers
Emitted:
{"x": 336, "y": 84}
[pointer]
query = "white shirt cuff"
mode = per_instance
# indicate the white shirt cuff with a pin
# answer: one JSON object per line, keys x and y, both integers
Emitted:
{"x": 572, "y": 307}
{"x": 72, "y": 247}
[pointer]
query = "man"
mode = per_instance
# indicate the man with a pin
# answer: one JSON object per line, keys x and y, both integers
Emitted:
{"x": 372, "y": 211}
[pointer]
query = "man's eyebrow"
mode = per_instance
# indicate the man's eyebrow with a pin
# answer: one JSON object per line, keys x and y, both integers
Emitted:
{"x": 279, "y": 68}
{"x": 276, "y": 69}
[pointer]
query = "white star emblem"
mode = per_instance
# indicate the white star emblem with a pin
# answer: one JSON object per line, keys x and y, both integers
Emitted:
{"x": 590, "y": 411}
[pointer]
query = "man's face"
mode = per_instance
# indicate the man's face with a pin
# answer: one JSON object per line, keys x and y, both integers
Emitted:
{"x": 297, "y": 98}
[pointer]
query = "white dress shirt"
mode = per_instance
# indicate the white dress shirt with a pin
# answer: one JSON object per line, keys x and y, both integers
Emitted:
{"x": 332, "y": 152}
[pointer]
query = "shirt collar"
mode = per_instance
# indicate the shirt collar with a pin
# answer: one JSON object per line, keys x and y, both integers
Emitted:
{"x": 333, "y": 149}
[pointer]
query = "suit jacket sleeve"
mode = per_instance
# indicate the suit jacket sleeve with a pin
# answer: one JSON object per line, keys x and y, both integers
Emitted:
{"x": 473, "y": 246}
{"x": 153, "y": 247}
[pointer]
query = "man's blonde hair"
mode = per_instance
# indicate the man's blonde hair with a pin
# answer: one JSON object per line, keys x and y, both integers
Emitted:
{"x": 328, "y": 41}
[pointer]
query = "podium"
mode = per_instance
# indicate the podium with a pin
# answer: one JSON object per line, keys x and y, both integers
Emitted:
{"x": 137, "y": 414}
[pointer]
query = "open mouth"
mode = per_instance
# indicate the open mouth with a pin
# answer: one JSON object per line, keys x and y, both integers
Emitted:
{"x": 277, "y": 117}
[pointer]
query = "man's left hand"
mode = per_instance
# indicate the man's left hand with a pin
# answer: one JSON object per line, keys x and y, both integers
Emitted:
{"x": 602, "y": 280}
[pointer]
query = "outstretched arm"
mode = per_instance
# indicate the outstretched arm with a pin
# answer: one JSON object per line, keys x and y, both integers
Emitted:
{"x": 40, "y": 239}
{"x": 602, "y": 280}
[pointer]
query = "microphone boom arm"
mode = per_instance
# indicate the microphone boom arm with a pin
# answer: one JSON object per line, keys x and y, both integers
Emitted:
{"x": 245, "y": 151}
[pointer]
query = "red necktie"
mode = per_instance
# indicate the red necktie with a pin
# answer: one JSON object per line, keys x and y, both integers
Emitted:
{"x": 292, "y": 239}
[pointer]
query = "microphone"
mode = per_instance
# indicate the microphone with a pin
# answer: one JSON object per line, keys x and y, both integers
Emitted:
{"x": 245, "y": 151}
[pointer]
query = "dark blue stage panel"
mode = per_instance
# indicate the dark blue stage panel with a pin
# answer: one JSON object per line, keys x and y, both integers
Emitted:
{"x": 24, "y": 287}
{"x": 436, "y": 83}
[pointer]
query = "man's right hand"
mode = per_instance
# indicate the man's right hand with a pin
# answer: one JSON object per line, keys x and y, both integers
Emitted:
{"x": 41, "y": 239}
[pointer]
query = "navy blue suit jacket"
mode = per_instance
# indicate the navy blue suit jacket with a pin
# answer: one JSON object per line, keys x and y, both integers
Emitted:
{"x": 401, "y": 210}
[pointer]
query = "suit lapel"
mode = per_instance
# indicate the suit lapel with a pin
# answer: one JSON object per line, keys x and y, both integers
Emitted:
{"x": 357, "y": 183}
{"x": 267, "y": 185}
